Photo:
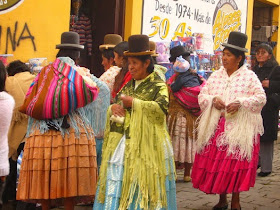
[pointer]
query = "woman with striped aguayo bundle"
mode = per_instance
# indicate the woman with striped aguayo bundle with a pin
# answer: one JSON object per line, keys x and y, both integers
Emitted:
{"x": 59, "y": 159}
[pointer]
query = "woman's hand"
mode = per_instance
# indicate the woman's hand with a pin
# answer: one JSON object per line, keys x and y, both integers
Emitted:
{"x": 233, "y": 107}
{"x": 127, "y": 101}
{"x": 265, "y": 83}
{"x": 218, "y": 103}
{"x": 118, "y": 110}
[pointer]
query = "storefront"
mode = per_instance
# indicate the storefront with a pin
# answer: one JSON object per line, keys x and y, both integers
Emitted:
{"x": 164, "y": 20}
{"x": 31, "y": 28}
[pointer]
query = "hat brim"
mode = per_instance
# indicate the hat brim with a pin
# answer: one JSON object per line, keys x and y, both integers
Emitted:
{"x": 235, "y": 47}
{"x": 155, "y": 55}
{"x": 106, "y": 46}
{"x": 173, "y": 58}
{"x": 70, "y": 46}
{"x": 148, "y": 52}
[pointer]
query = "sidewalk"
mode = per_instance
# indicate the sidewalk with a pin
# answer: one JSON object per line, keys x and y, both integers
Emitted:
{"x": 264, "y": 196}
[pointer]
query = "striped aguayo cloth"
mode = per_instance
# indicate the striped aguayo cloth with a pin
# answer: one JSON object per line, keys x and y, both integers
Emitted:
{"x": 56, "y": 91}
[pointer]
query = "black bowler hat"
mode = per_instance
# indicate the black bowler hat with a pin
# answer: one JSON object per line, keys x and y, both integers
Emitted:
{"x": 70, "y": 40}
{"x": 237, "y": 40}
{"x": 138, "y": 45}
{"x": 177, "y": 51}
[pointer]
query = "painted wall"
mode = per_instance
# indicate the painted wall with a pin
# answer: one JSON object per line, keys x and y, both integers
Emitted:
{"x": 133, "y": 18}
{"x": 249, "y": 24}
{"x": 33, "y": 28}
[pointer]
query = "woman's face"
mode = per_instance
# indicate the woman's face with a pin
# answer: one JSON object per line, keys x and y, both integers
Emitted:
{"x": 137, "y": 68}
{"x": 262, "y": 56}
{"x": 230, "y": 62}
{"x": 106, "y": 63}
{"x": 118, "y": 60}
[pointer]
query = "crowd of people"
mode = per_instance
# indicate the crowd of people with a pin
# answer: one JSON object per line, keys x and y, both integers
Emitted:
{"x": 117, "y": 140}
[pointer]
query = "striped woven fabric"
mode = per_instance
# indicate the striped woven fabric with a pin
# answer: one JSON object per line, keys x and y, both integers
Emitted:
{"x": 56, "y": 91}
{"x": 187, "y": 96}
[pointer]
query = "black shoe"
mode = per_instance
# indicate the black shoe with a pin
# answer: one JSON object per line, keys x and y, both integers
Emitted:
{"x": 236, "y": 209}
{"x": 225, "y": 207}
{"x": 263, "y": 174}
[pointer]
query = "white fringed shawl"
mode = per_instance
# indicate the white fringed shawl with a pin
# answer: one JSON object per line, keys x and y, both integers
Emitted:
{"x": 243, "y": 127}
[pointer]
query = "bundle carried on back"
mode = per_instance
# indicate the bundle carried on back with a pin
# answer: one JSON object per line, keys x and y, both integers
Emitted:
{"x": 57, "y": 90}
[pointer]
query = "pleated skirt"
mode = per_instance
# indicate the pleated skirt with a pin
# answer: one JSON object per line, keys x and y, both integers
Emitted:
{"x": 55, "y": 167}
{"x": 181, "y": 125}
{"x": 214, "y": 172}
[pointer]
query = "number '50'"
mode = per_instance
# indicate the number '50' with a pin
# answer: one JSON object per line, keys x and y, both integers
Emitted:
{"x": 160, "y": 27}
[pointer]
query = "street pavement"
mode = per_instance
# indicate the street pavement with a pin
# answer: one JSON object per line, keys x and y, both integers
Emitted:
{"x": 264, "y": 196}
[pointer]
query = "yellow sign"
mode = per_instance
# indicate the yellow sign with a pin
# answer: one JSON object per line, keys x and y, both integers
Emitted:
{"x": 224, "y": 24}
{"x": 227, "y": 18}
{"x": 161, "y": 27}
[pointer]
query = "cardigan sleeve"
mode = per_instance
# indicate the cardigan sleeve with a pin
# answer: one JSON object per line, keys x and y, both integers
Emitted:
{"x": 257, "y": 100}
{"x": 274, "y": 82}
{"x": 7, "y": 104}
{"x": 205, "y": 98}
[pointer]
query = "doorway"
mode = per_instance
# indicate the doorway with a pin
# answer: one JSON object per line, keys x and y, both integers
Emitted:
{"x": 93, "y": 21}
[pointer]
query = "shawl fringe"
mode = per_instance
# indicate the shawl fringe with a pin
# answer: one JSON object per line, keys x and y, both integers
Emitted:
{"x": 206, "y": 125}
{"x": 76, "y": 120}
{"x": 241, "y": 138}
{"x": 241, "y": 131}
{"x": 146, "y": 182}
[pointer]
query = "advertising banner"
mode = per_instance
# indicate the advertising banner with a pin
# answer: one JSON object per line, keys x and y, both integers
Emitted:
{"x": 165, "y": 20}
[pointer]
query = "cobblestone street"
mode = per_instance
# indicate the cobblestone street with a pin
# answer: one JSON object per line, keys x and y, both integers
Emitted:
{"x": 264, "y": 196}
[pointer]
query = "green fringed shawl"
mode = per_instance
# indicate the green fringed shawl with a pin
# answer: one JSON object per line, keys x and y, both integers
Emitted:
{"x": 145, "y": 167}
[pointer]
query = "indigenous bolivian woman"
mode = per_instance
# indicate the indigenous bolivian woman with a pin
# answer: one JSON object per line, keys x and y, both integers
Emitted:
{"x": 111, "y": 71}
{"x": 137, "y": 169}
{"x": 59, "y": 159}
{"x": 229, "y": 127}
{"x": 183, "y": 109}
{"x": 268, "y": 72}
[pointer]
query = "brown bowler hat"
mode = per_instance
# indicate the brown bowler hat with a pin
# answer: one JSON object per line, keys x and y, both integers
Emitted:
{"x": 152, "y": 46}
{"x": 138, "y": 45}
{"x": 110, "y": 41}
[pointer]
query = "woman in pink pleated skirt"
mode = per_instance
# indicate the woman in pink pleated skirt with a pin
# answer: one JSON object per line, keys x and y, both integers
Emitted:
{"x": 229, "y": 127}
